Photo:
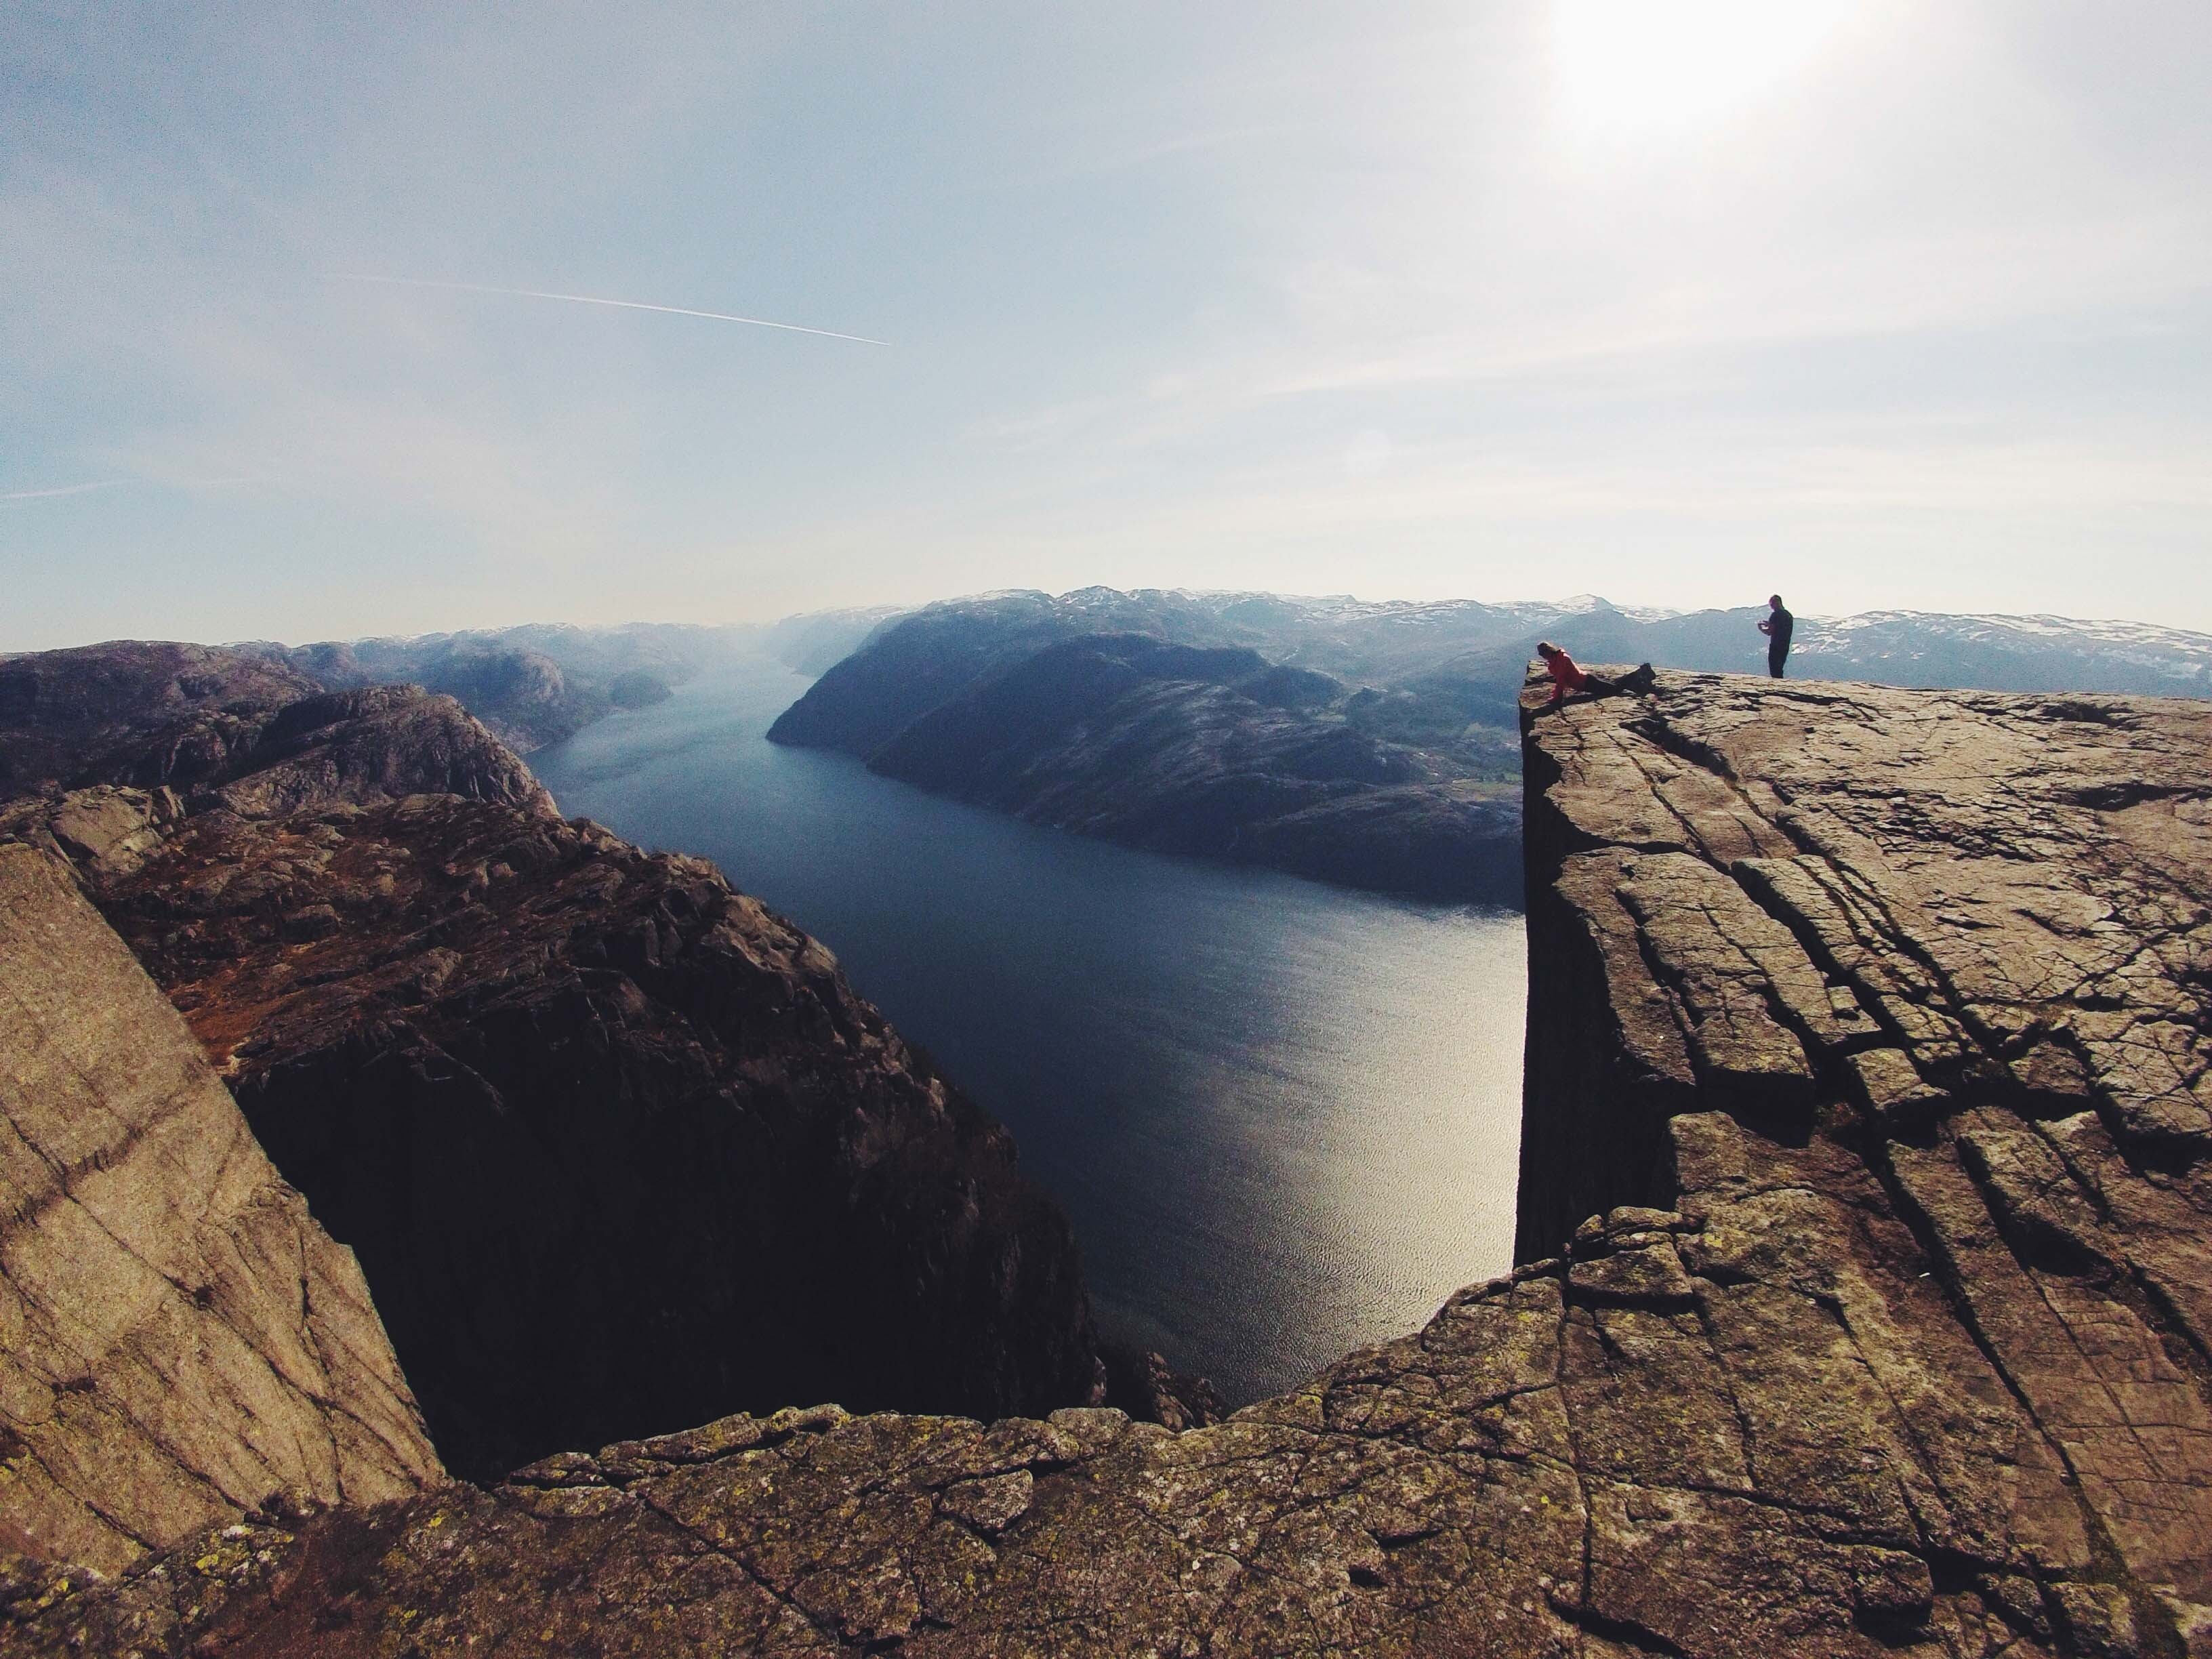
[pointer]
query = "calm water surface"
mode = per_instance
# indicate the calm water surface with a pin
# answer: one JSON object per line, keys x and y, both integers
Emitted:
{"x": 1283, "y": 1117}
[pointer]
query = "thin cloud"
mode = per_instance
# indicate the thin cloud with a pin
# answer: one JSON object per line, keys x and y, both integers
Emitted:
{"x": 63, "y": 489}
{"x": 593, "y": 300}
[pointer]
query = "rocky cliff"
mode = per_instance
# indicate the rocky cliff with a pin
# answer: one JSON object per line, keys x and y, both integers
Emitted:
{"x": 183, "y": 1345}
{"x": 1903, "y": 1001}
{"x": 133, "y": 712}
{"x": 618, "y": 1149}
{"x": 1896, "y": 1006}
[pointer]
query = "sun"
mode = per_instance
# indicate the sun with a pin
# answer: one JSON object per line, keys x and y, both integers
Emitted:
{"x": 1634, "y": 69}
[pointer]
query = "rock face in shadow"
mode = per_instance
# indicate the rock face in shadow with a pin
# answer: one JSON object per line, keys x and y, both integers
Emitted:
{"x": 1899, "y": 1002}
{"x": 1214, "y": 751}
{"x": 183, "y": 1345}
{"x": 619, "y": 1149}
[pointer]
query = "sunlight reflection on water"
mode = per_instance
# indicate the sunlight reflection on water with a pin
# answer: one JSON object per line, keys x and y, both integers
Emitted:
{"x": 1283, "y": 1117}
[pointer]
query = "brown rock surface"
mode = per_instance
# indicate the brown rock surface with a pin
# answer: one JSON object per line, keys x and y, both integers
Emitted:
{"x": 1862, "y": 1358}
{"x": 1617, "y": 1457}
{"x": 620, "y": 1151}
{"x": 380, "y": 743}
{"x": 100, "y": 831}
{"x": 1963, "y": 941}
{"x": 181, "y": 1344}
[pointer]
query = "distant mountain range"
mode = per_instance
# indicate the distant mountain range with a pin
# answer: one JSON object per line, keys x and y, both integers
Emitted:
{"x": 1378, "y": 762}
{"x": 1373, "y": 743}
{"x": 532, "y": 685}
{"x": 540, "y": 683}
{"x": 1471, "y": 655}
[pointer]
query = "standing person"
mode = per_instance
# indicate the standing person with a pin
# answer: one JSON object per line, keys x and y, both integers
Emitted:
{"x": 1776, "y": 628}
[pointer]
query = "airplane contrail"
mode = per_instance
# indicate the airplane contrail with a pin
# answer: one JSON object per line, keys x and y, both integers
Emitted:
{"x": 594, "y": 300}
{"x": 63, "y": 489}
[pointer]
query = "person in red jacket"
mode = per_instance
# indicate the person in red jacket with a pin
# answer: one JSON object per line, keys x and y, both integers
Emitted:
{"x": 1567, "y": 676}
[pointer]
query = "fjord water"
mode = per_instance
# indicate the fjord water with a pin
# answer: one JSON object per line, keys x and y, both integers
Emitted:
{"x": 1283, "y": 1117}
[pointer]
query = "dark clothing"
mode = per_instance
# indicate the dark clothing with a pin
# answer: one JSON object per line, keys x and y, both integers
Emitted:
{"x": 1567, "y": 676}
{"x": 1777, "y": 625}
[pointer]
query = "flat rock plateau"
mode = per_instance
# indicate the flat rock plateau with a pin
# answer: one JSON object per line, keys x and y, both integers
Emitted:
{"x": 1864, "y": 1309}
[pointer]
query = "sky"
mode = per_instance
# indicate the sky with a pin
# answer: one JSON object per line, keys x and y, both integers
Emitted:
{"x": 1886, "y": 304}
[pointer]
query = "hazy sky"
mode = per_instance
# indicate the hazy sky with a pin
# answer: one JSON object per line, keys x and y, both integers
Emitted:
{"x": 1905, "y": 303}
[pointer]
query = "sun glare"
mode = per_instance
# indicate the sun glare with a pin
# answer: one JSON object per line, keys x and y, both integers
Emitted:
{"x": 1632, "y": 68}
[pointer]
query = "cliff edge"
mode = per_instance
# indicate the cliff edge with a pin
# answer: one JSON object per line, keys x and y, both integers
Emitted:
{"x": 619, "y": 1149}
{"x": 1891, "y": 1008}
{"x": 1924, "y": 980}
{"x": 184, "y": 1345}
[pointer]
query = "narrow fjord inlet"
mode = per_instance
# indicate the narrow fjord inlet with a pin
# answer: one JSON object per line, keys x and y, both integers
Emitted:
{"x": 1283, "y": 1117}
{"x": 1016, "y": 832}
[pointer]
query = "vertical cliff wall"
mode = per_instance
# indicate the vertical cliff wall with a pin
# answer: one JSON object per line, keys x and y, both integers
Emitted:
{"x": 618, "y": 1150}
{"x": 1945, "y": 958}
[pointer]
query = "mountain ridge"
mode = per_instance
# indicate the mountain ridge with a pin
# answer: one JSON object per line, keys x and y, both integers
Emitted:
{"x": 961, "y": 698}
